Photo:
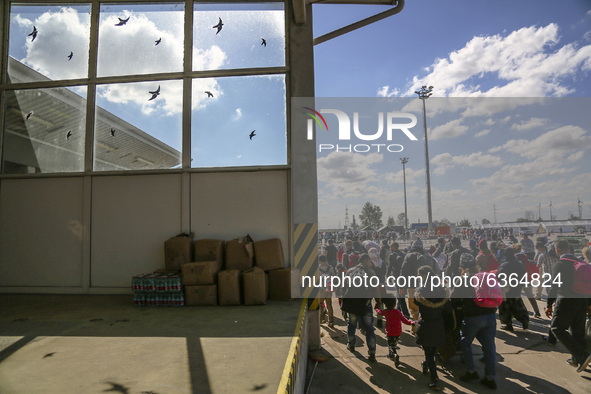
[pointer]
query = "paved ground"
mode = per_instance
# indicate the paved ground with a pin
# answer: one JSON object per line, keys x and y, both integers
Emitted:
{"x": 93, "y": 344}
{"x": 526, "y": 364}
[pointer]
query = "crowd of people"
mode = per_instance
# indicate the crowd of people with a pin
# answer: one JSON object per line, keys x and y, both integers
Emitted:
{"x": 448, "y": 317}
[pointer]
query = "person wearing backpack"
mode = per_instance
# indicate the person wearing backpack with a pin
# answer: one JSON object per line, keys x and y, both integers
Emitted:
{"x": 530, "y": 268}
{"x": 453, "y": 259}
{"x": 413, "y": 260}
{"x": 394, "y": 267}
{"x": 478, "y": 322}
{"x": 485, "y": 259}
{"x": 512, "y": 305}
{"x": 567, "y": 308}
{"x": 357, "y": 303}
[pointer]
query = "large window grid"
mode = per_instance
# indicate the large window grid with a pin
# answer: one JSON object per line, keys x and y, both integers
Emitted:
{"x": 97, "y": 133}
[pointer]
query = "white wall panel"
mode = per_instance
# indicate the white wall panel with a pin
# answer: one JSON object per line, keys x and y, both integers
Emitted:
{"x": 132, "y": 216}
{"x": 41, "y": 232}
{"x": 230, "y": 205}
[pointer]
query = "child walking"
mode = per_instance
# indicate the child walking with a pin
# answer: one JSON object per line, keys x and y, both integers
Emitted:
{"x": 394, "y": 319}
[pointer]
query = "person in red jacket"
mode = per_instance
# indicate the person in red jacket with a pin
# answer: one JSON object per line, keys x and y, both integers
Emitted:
{"x": 394, "y": 320}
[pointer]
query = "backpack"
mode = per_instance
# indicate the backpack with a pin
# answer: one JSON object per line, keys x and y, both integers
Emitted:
{"x": 493, "y": 264}
{"x": 530, "y": 267}
{"x": 582, "y": 277}
{"x": 488, "y": 291}
{"x": 353, "y": 260}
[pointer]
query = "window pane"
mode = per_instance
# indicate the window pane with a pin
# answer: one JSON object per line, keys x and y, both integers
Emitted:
{"x": 252, "y": 35}
{"x": 44, "y": 130}
{"x": 140, "y": 39}
{"x": 138, "y": 126}
{"x": 53, "y": 40}
{"x": 223, "y": 121}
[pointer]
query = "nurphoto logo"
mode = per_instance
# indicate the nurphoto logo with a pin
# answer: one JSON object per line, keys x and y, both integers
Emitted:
{"x": 395, "y": 123}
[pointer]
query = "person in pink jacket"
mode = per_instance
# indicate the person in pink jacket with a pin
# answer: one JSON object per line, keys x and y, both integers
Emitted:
{"x": 394, "y": 320}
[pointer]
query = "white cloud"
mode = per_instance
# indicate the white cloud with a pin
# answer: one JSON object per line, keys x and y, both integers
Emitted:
{"x": 533, "y": 123}
{"x": 411, "y": 176}
{"x": 482, "y": 133}
{"x": 451, "y": 129}
{"x": 237, "y": 113}
{"x": 552, "y": 146}
{"x": 347, "y": 173}
{"x": 127, "y": 49}
{"x": 446, "y": 161}
{"x": 385, "y": 91}
{"x": 526, "y": 62}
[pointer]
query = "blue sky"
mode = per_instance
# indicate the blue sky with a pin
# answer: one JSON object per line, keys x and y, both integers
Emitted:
{"x": 513, "y": 159}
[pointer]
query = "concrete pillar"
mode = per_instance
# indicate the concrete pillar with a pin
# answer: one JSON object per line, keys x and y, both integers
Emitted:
{"x": 304, "y": 193}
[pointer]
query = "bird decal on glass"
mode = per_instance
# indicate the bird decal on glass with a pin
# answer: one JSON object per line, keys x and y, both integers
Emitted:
{"x": 155, "y": 93}
{"x": 122, "y": 21}
{"x": 252, "y": 134}
{"x": 33, "y": 34}
{"x": 70, "y": 55}
{"x": 218, "y": 26}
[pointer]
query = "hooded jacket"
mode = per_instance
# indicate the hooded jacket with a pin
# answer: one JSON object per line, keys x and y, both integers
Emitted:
{"x": 431, "y": 326}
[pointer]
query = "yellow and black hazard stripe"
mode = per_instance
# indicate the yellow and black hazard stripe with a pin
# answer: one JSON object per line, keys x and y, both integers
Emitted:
{"x": 288, "y": 378}
{"x": 306, "y": 256}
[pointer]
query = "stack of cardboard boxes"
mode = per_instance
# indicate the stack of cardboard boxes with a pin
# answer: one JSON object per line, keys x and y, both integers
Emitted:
{"x": 239, "y": 271}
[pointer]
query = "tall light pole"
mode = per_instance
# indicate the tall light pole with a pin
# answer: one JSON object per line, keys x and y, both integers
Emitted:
{"x": 404, "y": 160}
{"x": 424, "y": 93}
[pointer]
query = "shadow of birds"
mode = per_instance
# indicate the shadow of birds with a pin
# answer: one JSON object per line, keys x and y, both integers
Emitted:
{"x": 155, "y": 93}
{"x": 122, "y": 21}
{"x": 252, "y": 134}
{"x": 117, "y": 387}
{"x": 209, "y": 94}
{"x": 258, "y": 387}
{"x": 69, "y": 135}
{"x": 264, "y": 43}
{"x": 29, "y": 115}
{"x": 70, "y": 55}
{"x": 113, "y": 132}
{"x": 33, "y": 33}
{"x": 49, "y": 355}
{"x": 158, "y": 41}
{"x": 218, "y": 26}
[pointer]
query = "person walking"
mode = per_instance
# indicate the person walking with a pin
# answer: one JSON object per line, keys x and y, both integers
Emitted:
{"x": 568, "y": 309}
{"x": 394, "y": 319}
{"x": 430, "y": 328}
{"x": 357, "y": 303}
{"x": 479, "y": 323}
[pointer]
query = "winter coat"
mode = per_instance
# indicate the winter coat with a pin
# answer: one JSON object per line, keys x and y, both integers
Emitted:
{"x": 394, "y": 320}
{"x": 357, "y": 300}
{"x": 431, "y": 326}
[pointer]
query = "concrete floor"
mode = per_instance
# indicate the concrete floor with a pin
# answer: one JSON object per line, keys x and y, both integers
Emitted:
{"x": 525, "y": 364}
{"x": 93, "y": 344}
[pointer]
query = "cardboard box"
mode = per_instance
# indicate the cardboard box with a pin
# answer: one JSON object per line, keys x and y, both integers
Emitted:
{"x": 229, "y": 288}
{"x": 269, "y": 254}
{"x": 284, "y": 284}
{"x": 239, "y": 254}
{"x": 178, "y": 251}
{"x": 210, "y": 250}
{"x": 201, "y": 295}
{"x": 254, "y": 282}
{"x": 200, "y": 273}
